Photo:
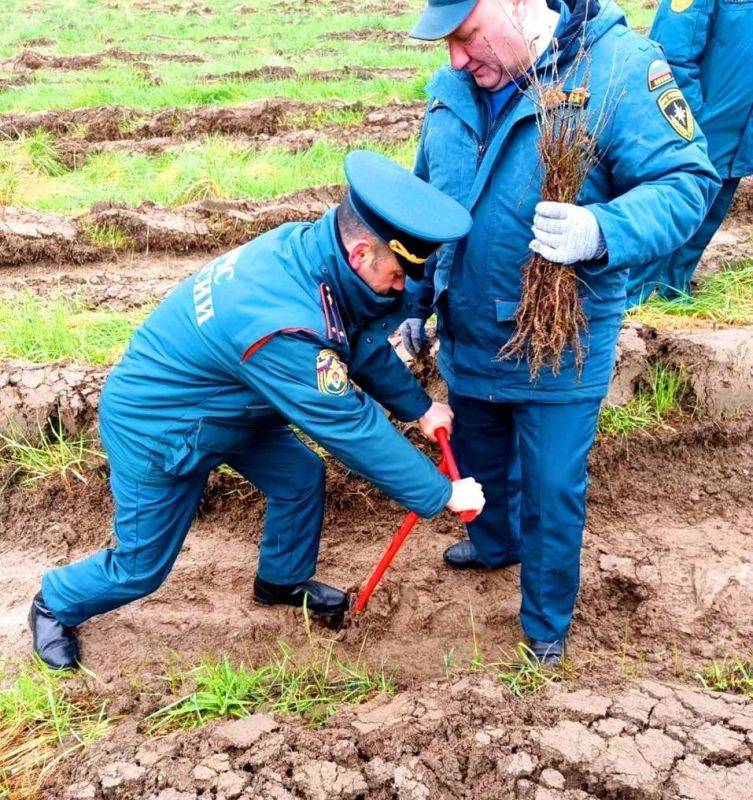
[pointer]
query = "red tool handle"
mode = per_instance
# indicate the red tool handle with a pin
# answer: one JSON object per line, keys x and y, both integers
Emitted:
{"x": 452, "y": 468}
{"x": 449, "y": 468}
{"x": 397, "y": 541}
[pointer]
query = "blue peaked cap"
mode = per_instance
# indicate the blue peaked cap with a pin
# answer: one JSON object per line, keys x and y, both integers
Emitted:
{"x": 441, "y": 17}
{"x": 412, "y": 217}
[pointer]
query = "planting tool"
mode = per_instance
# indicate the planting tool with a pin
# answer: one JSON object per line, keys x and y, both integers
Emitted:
{"x": 449, "y": 467}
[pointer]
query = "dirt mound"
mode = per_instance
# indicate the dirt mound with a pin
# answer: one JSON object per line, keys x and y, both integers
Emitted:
{"x": 372, "y": 35}
{"x": 27, "y": 236}
{"x": 117, "y": 123}
{"x": 260, "y": 118}
{"x": 43, "y": 42}
{"x": 457, "y": 739}
{"x": 742, "y": 205}
{"x": 31, "y": 395}
{"x": 17, "y": 80}
{"x": 290, "y": 73}
{"x": 31, "y": 60}
{"x": 390, "y": 125}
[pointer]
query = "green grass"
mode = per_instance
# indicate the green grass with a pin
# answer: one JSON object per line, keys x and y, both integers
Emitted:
{"x": 273, "y": 37}
{"x": 59, "y": 329}
{"x": 216, "y": 168}
{"x": 312, "y": 689}
{"x": 51, "y": 454}
{"x": 44, "y": 717}
{"x": 733, "y": 674}
{"x": 724, "y": 298}
{"x": 652, "y": 406}
{"x": 524, "y": 674}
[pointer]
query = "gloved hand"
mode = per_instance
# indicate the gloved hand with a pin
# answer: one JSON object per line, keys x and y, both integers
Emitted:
{"x": 566, "y": 233}
{"x": 467, "y": 495}
{"x": 412, "y": 333}
{"x": 439, "y": 415}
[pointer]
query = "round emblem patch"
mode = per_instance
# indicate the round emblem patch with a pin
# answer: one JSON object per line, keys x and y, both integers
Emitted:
{"x": 331, "y": 373}
{"x": 678, "y": 6}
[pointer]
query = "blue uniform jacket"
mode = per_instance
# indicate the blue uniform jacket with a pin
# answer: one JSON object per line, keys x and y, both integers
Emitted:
{"x": 271, "y": 329}
{"x": 709, "y": 45}
{"x": 650, "y": 191}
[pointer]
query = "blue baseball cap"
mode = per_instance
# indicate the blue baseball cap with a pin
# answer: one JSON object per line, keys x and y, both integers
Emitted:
{"x": 412, "y": 217}
{"x": 441, "y": 18}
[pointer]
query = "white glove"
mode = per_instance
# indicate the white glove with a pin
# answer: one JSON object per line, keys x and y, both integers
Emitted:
{"x": 566, "y": 233}
{"x": 439, "y": 415}
{"x": 412, "y": 333}
{"x": 467, "y": 495}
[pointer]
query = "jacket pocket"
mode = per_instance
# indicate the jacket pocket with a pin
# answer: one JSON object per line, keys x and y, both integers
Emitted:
{"x": 220, "y": 436}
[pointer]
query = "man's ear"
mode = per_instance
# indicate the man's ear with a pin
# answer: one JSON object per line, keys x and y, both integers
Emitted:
{"x": 360, "y": 255}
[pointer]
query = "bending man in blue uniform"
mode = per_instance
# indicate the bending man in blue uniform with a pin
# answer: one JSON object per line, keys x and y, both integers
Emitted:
{"x": 646, "y": 195}
{"x": 268, "y": 335}
{"x": 709, "y": 46}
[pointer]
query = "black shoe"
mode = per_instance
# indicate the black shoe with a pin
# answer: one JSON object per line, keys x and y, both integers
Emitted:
{"x": 548, "y": 653}
{"x": 322, "y": 599}
{"x": 54, "y": 642}
{"x": 463, "y": 555}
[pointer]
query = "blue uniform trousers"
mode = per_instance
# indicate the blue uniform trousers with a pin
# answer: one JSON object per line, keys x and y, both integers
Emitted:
{"x": 153, "y": 516}
{"x": 553, "y": 441}
{"x": 671, "y": 275}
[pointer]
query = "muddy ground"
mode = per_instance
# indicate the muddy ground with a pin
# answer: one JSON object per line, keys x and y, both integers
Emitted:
{"x": 666, "y": 587}
{"x": 667, "y": 582}
{"x": 27, "y": 236}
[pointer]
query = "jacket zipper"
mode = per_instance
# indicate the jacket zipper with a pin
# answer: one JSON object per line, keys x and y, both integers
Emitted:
{"x": 492, "y": 129}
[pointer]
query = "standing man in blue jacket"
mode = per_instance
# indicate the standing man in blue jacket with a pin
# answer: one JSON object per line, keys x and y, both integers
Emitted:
{"x": 266, "y": 336}
{"x": 646, "y": 195}
{"x": 709, "y": 46}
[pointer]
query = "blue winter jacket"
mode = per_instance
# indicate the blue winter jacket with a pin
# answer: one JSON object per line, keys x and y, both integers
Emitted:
{"x": 276, "y": 328}
{"x": 709, "y": 45}
{"x": 649, "y": 191}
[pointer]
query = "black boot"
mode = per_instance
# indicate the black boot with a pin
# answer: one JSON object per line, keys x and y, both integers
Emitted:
{"x": 322, "y": 599}
{"x": 548, "y": 653}
{"x": 463, "y": 555}
{"x": 54, "y": 642}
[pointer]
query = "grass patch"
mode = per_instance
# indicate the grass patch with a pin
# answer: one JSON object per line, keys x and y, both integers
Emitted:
{"x": 44, "y": 717}
{"x": 312, "y": 688}
{"x": 525, "y": 674}
{"x": 724, "y": 298}
{"x": 54, "y": 454}
{"x": 521, "y": 672}
{"x": 733, "y": 674}
{"x": 214, "y": 168}
{"x": 109, "y": 237}
{"x": 60, "y": 329}
{"x": 652, "y": 406}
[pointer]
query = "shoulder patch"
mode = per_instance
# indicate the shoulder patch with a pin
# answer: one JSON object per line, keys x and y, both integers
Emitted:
{"x": 675, "y": 109}
{"x": 332, "y": 317}
{"x": 678, "y": 6}
{"x": 331, "y": 373}
{"x": 659, "y": 74}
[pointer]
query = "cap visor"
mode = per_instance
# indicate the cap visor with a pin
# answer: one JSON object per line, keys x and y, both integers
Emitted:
{"x": 439, "y": 21}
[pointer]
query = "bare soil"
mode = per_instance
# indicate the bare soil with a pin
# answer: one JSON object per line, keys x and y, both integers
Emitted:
{"x": 389, "y": 125}
{"x": 116, "y": 123}
{"x": 31, "y": 60}
{"x": 465, "y": 737}
{"x": 666, "y": 586}
{"x": 208, "y": 226}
